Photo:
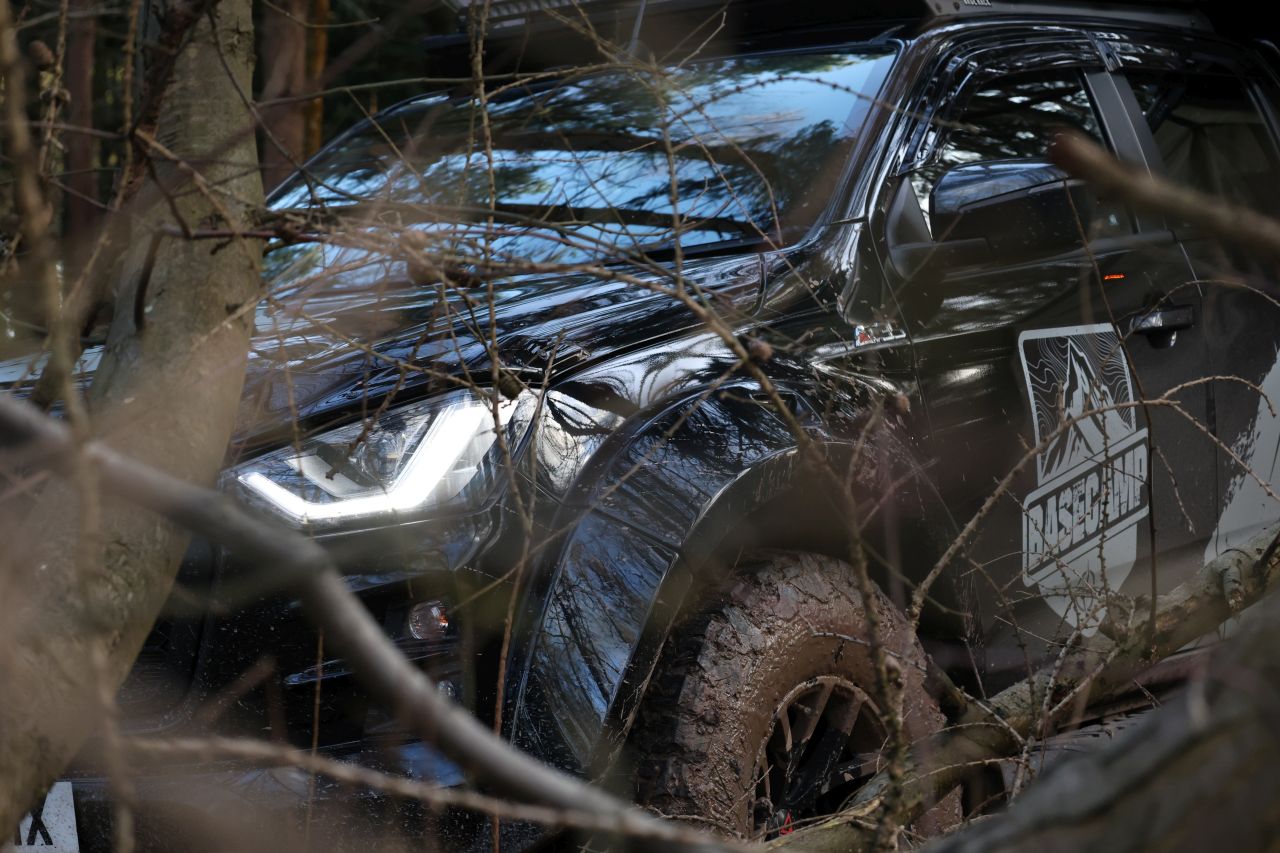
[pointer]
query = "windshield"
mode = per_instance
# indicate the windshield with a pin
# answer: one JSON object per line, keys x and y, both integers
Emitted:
{"x": 603, "y": 166}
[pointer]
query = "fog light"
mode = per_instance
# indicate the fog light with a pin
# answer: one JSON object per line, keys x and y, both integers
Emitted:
{"x": 428, "y": 621}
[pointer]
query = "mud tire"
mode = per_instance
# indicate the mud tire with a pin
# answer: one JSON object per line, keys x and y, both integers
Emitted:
{"x": 723, "y": 673}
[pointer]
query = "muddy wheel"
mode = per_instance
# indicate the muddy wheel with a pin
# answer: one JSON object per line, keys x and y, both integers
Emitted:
{"x": 761, "y": 716}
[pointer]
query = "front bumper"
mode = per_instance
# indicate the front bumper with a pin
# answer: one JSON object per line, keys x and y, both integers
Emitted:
{"x": 249, "y": 664}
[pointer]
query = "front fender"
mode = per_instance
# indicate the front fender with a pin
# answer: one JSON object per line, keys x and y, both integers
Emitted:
{"x": 656, "y": 510}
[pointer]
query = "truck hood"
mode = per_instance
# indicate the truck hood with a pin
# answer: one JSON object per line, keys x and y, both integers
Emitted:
{"x": 330, "y": 339}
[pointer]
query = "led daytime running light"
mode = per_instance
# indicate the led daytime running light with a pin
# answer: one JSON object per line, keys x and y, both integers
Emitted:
{"x": 453, "y": 431}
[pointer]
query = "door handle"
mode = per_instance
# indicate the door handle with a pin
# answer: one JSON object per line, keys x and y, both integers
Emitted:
{"x": 1161, "y": 325}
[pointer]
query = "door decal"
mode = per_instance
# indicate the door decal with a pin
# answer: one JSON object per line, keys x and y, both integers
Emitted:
{"x": 1079, "y": 523}
{"x": 1248, "y": 506}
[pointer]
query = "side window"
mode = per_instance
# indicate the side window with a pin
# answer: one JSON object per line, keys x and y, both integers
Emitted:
{"x": 1211, "y": 136}
{"x": 1014, "y": 118}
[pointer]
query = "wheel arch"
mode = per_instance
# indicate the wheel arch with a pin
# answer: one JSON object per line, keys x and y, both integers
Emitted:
{"x": 644, "y": 550}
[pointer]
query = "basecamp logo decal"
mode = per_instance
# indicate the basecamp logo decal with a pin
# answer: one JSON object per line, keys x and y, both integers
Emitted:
{"x": 1079, "y": 525}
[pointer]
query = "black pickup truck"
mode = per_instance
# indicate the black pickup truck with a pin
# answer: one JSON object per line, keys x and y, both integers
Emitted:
{"x": 801, "y": 291}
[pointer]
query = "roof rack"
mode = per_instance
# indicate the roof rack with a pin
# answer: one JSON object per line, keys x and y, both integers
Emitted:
{"x": 516, "y": 31}
{"x": 518, "y": 13}
{"x": 1175, "y": 13}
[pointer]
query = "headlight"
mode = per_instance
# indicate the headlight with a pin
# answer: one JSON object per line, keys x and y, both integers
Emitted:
{"x": 440, "y": 453}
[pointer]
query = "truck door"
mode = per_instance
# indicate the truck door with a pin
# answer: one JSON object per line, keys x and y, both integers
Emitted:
{"x": 1045, "y": 355}
{"x": 1211, "y": 125}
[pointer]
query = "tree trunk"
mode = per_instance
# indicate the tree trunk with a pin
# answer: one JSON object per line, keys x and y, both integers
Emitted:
{"x": 88, "y": 579}
{"x": 316, "y": 56}
{"x": 82, "y": 179}
{"x": 284, "y": 59}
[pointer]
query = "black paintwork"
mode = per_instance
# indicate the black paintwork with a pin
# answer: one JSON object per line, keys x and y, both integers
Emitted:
{"x": 659, "y": 457}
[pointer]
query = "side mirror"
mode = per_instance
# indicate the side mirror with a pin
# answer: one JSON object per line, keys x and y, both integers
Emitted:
{"x": 1018, "y": 207}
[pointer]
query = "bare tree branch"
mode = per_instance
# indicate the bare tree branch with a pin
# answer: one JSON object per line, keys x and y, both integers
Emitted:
{"x": 1095, "y": 672}
{"x": 1198, "y": 770}
{"x": 1253, "y": 232}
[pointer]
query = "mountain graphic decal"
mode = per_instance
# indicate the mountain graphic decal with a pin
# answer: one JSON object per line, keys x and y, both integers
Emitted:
{"x": 1083, "y": 391}
{"x": 1079, "y": 536}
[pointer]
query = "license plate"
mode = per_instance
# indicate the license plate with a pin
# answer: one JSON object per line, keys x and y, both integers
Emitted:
{"x": 50, "y": 827}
